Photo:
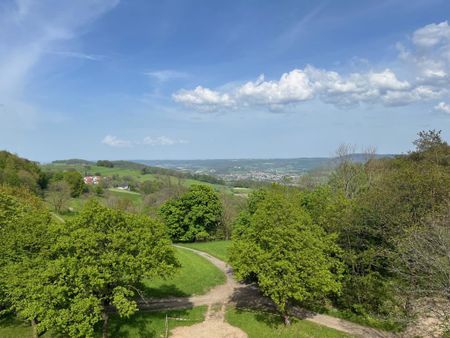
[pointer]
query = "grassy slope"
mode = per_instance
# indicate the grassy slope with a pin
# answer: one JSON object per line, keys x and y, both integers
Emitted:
{"x": 264, "y": 325}
{"x": 151, "y": 324}
{"x": 136, "y": 174}
{"x": 196, "y": 276}
{"x": 141, "y": 324}
{"x": 14, "y": 328}
{"x": 217, "y": 249}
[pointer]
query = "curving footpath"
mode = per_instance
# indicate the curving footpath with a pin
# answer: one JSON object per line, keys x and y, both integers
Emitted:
{"x": 242, "y": 296}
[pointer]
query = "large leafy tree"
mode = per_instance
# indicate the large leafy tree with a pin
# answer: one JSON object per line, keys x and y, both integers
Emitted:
{"x": 106, "y": 253}
{"x": 277, "y": 245}
{"x": 25, "y": 232}
{"x": 75, "y": 181}
{"x": 193, "y": 216}
{"x": 93, "y": 264}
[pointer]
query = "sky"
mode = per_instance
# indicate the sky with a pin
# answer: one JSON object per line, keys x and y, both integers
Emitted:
{"x": 198, "y": 79}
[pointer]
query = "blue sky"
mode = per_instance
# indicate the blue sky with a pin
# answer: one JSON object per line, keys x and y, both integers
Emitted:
{"x": 139, "y": 79}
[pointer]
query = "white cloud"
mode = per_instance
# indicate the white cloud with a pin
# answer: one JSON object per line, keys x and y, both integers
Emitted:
{"x": 426, "y": 65}
{"x": 442, "y": 107}
{"x": 203, "y": 97}
{"x": 166, "y": 75}
{"x": 387, "y": 80}
{"x": 292, "y": 87}
{"x": 114, "y": 141}
{"x": 432, "y": 35}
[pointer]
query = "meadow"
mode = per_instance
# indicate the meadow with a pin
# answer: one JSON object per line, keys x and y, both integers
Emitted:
{"x": 217, "y": 249}
{"x": 141, "y": 324}
{"x": 196, "y": 276}
{"x": 259, "y": 324}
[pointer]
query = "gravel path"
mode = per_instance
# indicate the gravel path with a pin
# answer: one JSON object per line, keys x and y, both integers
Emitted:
{"x": 242, "y": 296}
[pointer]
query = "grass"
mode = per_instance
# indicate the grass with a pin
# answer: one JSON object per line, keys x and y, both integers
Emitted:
{"x": 266, "y": 325}
{"x": 134, "y": 197}
{"x": 367, "y": 320}
{"x": 134, "y": 173}
{"x": 217, "y": 249}
{"x": 141, "y": 324}
{"x": 152, "y": 324}
{"x": 11, "y": 327}
{"x": 196, "y": 276}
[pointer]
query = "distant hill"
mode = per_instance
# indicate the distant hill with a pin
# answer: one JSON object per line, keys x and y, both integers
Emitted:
{"x": 74, "y": 161}
{"x": 143, "y": 168}
{"x": 20, "y": 172}
{"x": 234, "y": 166}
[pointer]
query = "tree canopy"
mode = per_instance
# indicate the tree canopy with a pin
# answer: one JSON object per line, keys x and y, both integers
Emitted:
{"x": 277, "y": 245}
{"x": 79, "y": 270}
{"x": 193, "y": 216}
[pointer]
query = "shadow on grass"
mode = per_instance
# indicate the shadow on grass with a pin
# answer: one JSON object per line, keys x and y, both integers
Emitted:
{"x": 142, "y": 324}
{"x": 250, "y": 298}
{"x": 164, "y": 290}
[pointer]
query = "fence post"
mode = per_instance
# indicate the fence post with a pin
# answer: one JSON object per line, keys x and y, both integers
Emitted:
{"x": 166, "y": 335}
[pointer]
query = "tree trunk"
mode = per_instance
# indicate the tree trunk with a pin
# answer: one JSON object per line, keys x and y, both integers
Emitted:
{"x": 34, "y": 328}
{"x": 287, "y": 321}
{"x": 105, "y": 317}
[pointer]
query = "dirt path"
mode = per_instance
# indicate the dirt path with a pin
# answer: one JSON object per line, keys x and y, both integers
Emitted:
{"x": 242, "y": 296}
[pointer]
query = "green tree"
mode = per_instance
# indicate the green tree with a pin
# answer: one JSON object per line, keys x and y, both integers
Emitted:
{"x": 105, "y": 163}
{"x": 195, "y": 213}
{"x": 277, "y": 245}
{"x": 93, "y": 264}
{"x": 58, "y": 195}
{"x": 19, "y": 172}
{"x": 25, "y": 228}
{"x": 75, "y": 181}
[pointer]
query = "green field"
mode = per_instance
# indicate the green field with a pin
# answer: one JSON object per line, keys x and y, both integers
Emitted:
{"x": 141, "y": 324}
{"x": 196, "y": 276}
{"x": 152, "y": 324}
{"x": 265, "y": 325}
{"x": 134, "y": 173}
{"x": 217, "y": 249}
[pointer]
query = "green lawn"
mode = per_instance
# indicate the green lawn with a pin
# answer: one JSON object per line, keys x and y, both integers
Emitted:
{"x": 134, "y": 197}
{"x": 14, "y": 328}
{"x": 195, "y": 277}
{"x": 141, "y": 324}
{"x": 264, "y": 325}
{"x": 217, "y": 249}
{"x": 152, "y": 324}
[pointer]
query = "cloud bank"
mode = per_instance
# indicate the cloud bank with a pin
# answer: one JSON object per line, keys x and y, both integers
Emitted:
{"x": 114, "y": 141}
{"x": 426, "y": 61}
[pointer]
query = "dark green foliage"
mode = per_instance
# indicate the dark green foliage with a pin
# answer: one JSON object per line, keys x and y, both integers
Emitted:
{"x": 25, "y": 232}
{"x": 74, "y": 161}
{"x": 395, "y": 197}
{"x": 149, "y": 187}
{"x": 19, "y": 172}
{"x": 105, "y": 163}
{"x": 193, "y": 216}
{"x": 66, "y": 276}
{"x": 75, "y": 181}
{"x": 277, "y": 245}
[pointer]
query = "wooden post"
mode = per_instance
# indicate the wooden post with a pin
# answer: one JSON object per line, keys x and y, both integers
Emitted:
{"x": 166, "y": 335}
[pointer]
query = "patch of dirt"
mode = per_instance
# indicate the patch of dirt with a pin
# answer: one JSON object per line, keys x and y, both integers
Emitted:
{"x": 214, "y": 326}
